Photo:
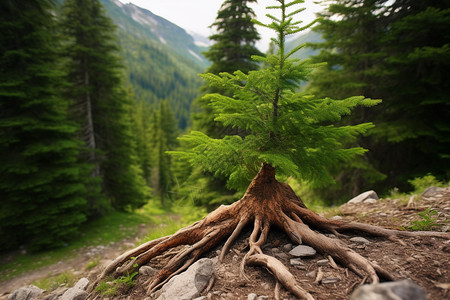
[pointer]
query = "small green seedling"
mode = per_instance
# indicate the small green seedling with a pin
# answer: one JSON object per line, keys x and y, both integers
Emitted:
{"x": 427, "y": 222}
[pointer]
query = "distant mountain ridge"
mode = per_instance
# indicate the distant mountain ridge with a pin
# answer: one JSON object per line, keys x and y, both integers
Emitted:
{"x": 143, "y": 23}
{"x": 162, "y": 60}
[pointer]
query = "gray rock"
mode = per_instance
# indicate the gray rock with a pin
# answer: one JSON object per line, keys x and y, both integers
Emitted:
{"x": 56, "y": 294}
{"x": 431, "y": 191}
{"x": 147, "y": 271}
{"x": 252, "y": 296}
{"x": 359, "y": 240}
{"x": 364, "y": 196}
{"x": 322, "y": 262}
{"x": 330, "y": 280}
{"x": 74, "y": 294}
{"x": 370, "y": 201}
{"x": 302, "y": 250}
{"x": 397, "y": 290}
{"x": 296, "y": 262}
{"x": 281, "y": 255}
{"x": 189, "y": 284}
{"x": 82, "y": 284}
{"x": 287, "y": 247}
{"x": 26, "y": 293}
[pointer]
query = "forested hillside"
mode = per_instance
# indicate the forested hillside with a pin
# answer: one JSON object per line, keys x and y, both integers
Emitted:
{"x": 161, "y": 60}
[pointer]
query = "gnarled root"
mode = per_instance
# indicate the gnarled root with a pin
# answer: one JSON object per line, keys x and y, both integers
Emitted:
{"x": 266, "y": 203}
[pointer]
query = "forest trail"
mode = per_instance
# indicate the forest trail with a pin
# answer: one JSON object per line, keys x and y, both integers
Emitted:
{"x": 78, "y": 264}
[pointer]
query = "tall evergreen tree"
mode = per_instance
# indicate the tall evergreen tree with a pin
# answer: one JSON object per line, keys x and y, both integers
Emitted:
{"x": 41, "y": 183}
{"x": 164, "y": 135}
{"x": 235, "y": 38}
{"x": 233, "y": 48}
{"x": 398, "y": 51}
{"x": 235, "y": 44}
{"x": 100, "y": 102}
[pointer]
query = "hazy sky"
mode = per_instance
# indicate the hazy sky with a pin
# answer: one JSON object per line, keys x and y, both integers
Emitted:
{"x": 197, "y": 15}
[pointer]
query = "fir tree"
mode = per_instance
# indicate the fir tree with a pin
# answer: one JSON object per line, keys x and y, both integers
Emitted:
{"x": 396, "y": 50}
{"x": 233, "y": 48}
{"x": 164, "y": 135}
{"x": 290, "y": 134}
{"x": 100, "y": 103}
{"x": 41, "y": 182}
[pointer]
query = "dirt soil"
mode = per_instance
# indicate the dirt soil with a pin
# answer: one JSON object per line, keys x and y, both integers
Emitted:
{"x": 426, "y": 261}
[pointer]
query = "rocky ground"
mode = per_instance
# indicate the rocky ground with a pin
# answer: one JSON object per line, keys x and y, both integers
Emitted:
{"x": 423, "y": 260}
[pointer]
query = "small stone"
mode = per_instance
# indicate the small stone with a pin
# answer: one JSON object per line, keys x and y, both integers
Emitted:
{"x": 302, "y": 250}
{"x": 336, "y": 218}
{"x": 82, "y": 284}
{"x": 361, "y": 197}
{"x": 27, "y": 292}
{"x": 322, "y": 262}
{"x": 312, "y": 274}
{"x": 370, "y": 201}
{"x": 265, "y": 286}
{"x": 281, "y": 255}
{"x": 330, "y": 280}
{"x": 74, "y": 294}
{"x": 360, "y": 240}
{"x": 275, "y": 250}
{"x": 397, "y": 290}
{"x": 287, "y": 247}
{"x": 296, "y": 262}
{"x": 431, "y": 191}
{"x": 252, "y": 296}
{"x": 147, "y": 271}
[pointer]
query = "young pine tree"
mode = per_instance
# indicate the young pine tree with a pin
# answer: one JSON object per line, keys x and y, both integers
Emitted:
{"x": 42, "y": 185}
{"x": 100, "y": 104}
{"x": 289, "y": 134}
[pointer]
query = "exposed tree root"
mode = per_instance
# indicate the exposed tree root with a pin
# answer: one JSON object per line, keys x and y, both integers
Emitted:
{"x": 266, "y": 203}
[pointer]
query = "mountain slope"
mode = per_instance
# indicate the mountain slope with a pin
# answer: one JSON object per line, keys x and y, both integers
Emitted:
{"x": 161, "y": 59}
{"x": 307, "y": 37}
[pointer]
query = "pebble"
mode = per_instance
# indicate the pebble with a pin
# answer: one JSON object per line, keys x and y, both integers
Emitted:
{"x": 296, "y": 262}
{"x": 330, "y": 280}
{"x": 322, "y": 262}
{"x": 252, "y": 296}
{"x": 287, "y": 247}
{"x": 370, "y": 201}
{"x": 147, "y": 271}
{"x": 360, "y": 240}
{"x": 302, "y": 250}
{"x": 281, "y": 255}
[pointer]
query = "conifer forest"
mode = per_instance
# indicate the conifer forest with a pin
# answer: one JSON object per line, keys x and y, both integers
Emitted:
{"x": 99, "y": 115}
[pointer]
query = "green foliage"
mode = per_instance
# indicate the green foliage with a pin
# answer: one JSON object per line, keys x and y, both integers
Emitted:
{"x": 53, "y": 282}
{"x": 42, "y": 184}
{"x": 397, "y": 51}
{"x": 100, "y": 104}
{"x": 235, "y": 38}
{"x": 290, "y": 131}
{"x": 112, "y": 287}
{"x": 422, "y": 183}
{"x": 427, "y": 222}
